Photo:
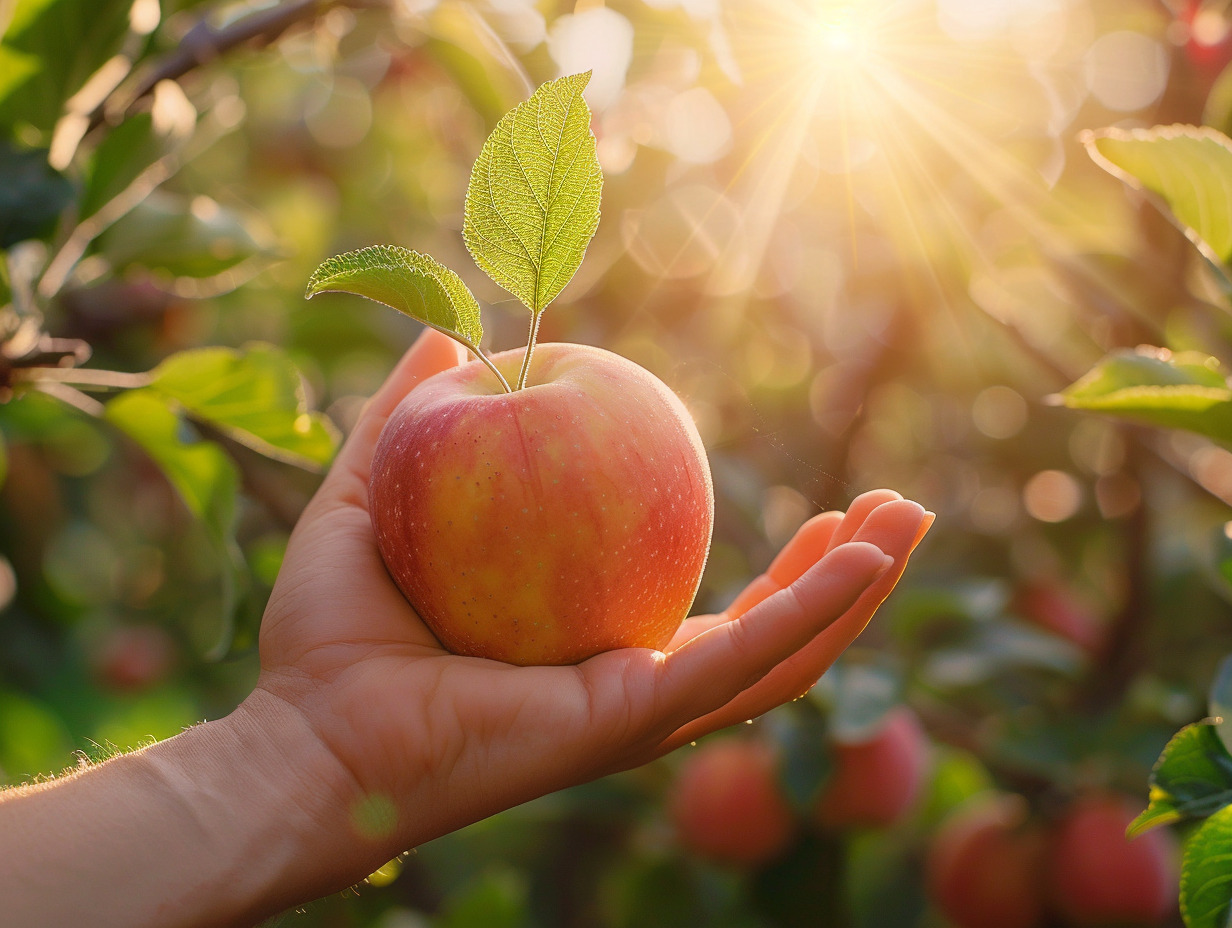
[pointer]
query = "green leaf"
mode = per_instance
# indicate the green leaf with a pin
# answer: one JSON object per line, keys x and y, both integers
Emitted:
{"x": 1186, "y": 390}
{"x": 255, "y": 396}
{"x": 202, "y": 474}
{"x": 407, "y": 281}
{"x": 1189, "y": 167}
{"x": 1191, "y": 779}
{"x": 182, "y": 237}
{"x": 56, "y": 45}
{"x": 1220, "y": 702}
{"x": 32, "y": 195}
{"x": 805, "y": 758}
{"x": 1206, "y": 873}
{"x": 121, "y": 157}
{"x": 532, "y": 205}
{"x": 859, "y": 695}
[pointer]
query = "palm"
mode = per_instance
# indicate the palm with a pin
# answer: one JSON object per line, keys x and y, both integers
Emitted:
{"x": 341, "y": 643}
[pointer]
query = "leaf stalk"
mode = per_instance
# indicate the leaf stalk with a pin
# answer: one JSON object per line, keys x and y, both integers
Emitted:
{"x": 530, "y": 348}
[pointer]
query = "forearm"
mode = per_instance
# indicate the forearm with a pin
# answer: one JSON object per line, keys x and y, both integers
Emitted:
{"x": 224, "y": 824}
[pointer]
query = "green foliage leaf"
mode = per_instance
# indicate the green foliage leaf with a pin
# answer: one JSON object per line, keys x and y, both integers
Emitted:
{"x": 1187, "y": 390}
{"x": 202, "y": 474}
{"x": 56, "y": 45}
{"x": 181, "y": 237}
{"x": 1206, "y": 877}
{"x": 532, "y": 205}
{"x": 123, "y": 154}
{"x": 1191, "y": 779}
{"x": 255, "y": 396}
{"x": 407, "y": 281}
{"x": 32, "y": 195}
{"x": 1189, "y": 167}
{"x": 805, "y": 761}
{"x": 859, "y": 694}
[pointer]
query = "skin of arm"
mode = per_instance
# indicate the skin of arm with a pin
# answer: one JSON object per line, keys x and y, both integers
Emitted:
{"x": 363, "y": 738}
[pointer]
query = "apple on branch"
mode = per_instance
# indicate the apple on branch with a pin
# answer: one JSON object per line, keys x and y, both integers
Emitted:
{"x": 542, "y": 506}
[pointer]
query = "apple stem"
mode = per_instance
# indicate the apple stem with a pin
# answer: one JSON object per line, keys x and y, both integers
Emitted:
{"x": 482, "y": 356}
{"x": 530, "y": 347}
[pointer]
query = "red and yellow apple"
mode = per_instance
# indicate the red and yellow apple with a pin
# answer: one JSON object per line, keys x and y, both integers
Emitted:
{"x": 877, "y": 780}
{"x": 547, "y": 524}
{"x": 985, "y": 866}
{"x": 726, "y": 806}
{"x": 1098, "y": 876}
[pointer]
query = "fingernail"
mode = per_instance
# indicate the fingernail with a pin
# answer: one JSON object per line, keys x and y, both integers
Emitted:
{"x": 886, "y": 563}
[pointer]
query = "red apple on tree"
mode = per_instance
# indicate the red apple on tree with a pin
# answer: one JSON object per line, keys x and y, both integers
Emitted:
{"x": 726, "y": 806}
{"x": 1099, "y": 876}
{"x": 876, "y": 781}
{"x": 985, "y": 865}
{"x": 541, "y": 511}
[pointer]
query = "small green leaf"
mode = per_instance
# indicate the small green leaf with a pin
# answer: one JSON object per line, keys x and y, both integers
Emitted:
{"x": 1206, "y": 873}
{"x": 1220, "y": 702}
{"x": 255, "y": 396}
{"x": 1191, "y": 779}
{"x": 202, "y": 474}
{"x": 1187, "y": 390}
{"x": 407, "y": 281}
{"x": 532, "y": 205}
{"x": 1189, "y": 167}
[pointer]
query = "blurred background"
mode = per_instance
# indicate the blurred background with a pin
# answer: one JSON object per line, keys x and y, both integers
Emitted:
{"x": 863, "y": 241}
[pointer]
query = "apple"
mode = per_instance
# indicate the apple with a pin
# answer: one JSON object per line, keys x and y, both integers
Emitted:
{"x": 1098, "y": 876}
{"x": 547, "y": 524}
{"x": 1056, "y": 609}
{"x": 726, "y": 806}
{"x": 133, "y": 658}
{"x": 985, "y": 865}
{"x": 876, "y": 781}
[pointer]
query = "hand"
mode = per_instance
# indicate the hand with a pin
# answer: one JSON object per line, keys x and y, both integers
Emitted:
{"x": 363, "y": 737}
{"x": 436, "y": 741}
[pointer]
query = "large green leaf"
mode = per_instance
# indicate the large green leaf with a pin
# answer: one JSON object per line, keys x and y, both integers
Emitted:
{"x": 407, "y": 281}
{"x": 1206, "y": 873}
{"x": 1189, "y": 167}
{"x": 1186, "y": 391}
{"x": 532, "y": 205}
{"x": 201, "y": 472}
{"x": 255, "y": 396}
{"x": 182, "y": 237}
{"x": 55, "y": 46}
{"x": 1191, "y": 779}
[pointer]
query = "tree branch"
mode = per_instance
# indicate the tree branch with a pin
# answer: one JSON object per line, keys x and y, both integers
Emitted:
{"x": 204, "y": 43}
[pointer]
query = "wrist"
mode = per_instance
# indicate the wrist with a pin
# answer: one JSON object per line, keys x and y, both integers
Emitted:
{"x": 275, "y": 808}
{"x": 227, "y": 823}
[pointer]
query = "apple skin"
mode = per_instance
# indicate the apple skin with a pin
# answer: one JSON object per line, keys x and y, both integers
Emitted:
{"x": 876, "y": 782}
{"x": 726, "y": 806}
{"x": 1097, "y": 876}
{"x": 985, "y": 866}
{"x": 549, "y": 524}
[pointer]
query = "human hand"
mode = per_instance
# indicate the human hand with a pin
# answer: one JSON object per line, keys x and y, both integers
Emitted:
{"x": 432, "y": 741}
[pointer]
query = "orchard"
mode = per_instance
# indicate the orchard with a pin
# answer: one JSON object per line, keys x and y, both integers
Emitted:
{"x": 737, "y": 262}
